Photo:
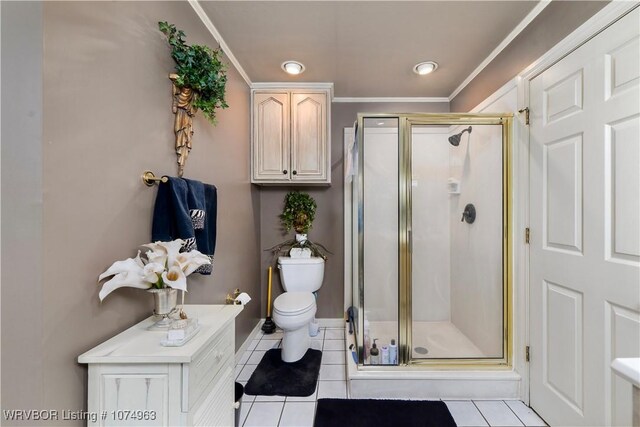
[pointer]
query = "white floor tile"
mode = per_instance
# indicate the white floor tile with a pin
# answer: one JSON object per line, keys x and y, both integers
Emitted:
{"x": 527, "y": 415}
{"x": 244, "y": 411}
{"x": 238, "y": 369}
{"x": 256, "y": 357}
{"x": 315, "y": 344}
{"x": 311, "y": 398}
{"x": 267, "y": 344}
{"x": 465, "y": 413}
{"x": 245, "y": 357}
{"x": 332, "y": 372}
{"x": 298, "y": 414}
{"x": 497, "y": 413}
{"x": 253, "y": 344}
{"x": 334, "y": 334}
{"x": 264, "y": 414}
{"x": 333, "y": 357}
{"x": 246, "y": 372}
{"x": 274, "y": 336}
{"x": 320, "y": 335}
{"x": 332, "y": 389}
{"x": 262, "y": 398}
{"x": 334, "y": 345}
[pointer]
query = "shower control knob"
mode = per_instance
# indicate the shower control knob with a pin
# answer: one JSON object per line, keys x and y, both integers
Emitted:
{"x": 284, "y": 172}
{"x": 469, "y": 214}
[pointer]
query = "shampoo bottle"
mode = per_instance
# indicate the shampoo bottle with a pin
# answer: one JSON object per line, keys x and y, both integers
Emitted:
{"x": 367, "y": 339}
{"x": 393, "y": 353}
{"x": 385, "y": 354}
{"x": 374, "y": 354}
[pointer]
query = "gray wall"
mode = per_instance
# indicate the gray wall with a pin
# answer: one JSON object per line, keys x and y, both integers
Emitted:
{"x": 552, "y": 25}
{"x": 328, "y": 227}
{"x": 97, "y": 113}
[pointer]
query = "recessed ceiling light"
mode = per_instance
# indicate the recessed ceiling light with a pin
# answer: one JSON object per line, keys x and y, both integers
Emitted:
{"x": 293, "y": 67}
{"x": 425, "y": 67}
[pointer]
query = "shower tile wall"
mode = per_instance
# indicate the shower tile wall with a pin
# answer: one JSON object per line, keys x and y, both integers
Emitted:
{"x": 431, "y": 241}
{"x": 476, "y": 261}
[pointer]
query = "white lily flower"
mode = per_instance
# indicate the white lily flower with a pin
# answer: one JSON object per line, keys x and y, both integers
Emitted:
{"x": 170, "y": 249}
{"x": 157, "y": 257}
{"x": 128, "y": 265}
{"x": 190, "y": 261}
{"x": 131, "y": 279}
{"x": 151, "y": 271}
{"x": 175, "y": 278}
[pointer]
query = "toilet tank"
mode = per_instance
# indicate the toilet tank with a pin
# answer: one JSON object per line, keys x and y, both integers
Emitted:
{"x": 301, "y": 274}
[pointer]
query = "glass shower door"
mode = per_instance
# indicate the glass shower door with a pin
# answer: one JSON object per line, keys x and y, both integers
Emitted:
{"x": 457, "y": 289}
{"x": 379, "y": 169}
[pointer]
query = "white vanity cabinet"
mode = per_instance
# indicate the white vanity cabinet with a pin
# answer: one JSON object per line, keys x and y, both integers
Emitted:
{"x": 135, "y": 381}
{"x": 291, "y": 141}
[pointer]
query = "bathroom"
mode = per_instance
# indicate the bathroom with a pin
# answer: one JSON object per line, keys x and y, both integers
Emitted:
{"x": 97, "y": 104}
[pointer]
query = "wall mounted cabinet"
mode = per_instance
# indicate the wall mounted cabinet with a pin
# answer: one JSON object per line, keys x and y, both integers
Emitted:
{"x": 291, "y": 143}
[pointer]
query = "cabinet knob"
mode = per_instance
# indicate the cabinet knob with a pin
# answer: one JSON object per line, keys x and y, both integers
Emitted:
{"x": 284, "y": 172}
{"x": 295, "y": 172}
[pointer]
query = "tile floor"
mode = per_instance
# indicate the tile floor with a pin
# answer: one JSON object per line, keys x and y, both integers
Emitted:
{"x": 279, "y": 411}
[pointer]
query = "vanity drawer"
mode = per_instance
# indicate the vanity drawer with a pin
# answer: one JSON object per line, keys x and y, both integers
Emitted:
{"x": 207, "y": 363}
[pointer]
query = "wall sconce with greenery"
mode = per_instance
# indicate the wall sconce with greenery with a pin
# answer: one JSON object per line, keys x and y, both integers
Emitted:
{"x": 198, "y": 84}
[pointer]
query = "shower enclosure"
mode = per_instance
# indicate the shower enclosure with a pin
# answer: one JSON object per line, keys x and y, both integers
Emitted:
{"x": 430, "y": 241}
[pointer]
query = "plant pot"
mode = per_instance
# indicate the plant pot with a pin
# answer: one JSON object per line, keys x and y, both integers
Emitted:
{"x": 164, "y": 301}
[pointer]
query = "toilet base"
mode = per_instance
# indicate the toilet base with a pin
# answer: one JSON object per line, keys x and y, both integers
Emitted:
{"x": 295, "y": 344}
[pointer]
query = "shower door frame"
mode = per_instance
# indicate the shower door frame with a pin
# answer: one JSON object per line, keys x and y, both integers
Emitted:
{"x": 405, "y": 123}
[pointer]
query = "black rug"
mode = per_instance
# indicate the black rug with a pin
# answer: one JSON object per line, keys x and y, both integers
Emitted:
{"x": 275, "y": 377}
{"x": 382, "y": 413}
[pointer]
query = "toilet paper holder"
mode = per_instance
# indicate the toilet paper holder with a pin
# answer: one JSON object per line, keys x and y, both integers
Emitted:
{"x": 232, "y": 299}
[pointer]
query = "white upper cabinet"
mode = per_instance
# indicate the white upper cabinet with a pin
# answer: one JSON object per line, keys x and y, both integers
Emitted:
{"x": 290, "y": 139}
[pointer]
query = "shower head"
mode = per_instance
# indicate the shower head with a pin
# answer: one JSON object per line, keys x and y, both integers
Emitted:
{"x": 455, "y": 139}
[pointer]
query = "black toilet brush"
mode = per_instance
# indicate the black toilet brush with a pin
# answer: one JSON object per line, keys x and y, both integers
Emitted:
{"x": 268, "y": 327}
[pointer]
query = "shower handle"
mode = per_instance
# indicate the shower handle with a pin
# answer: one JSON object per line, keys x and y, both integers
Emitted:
{"x": 410, "y": 240}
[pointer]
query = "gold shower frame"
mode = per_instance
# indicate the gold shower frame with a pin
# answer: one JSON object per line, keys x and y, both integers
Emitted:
{"x": 405, "y": 122}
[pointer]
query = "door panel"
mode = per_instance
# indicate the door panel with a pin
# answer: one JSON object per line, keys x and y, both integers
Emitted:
{"x": 271, "y": 133}
{"x": 309, "y": 154}
{"x": 585, "y": 229}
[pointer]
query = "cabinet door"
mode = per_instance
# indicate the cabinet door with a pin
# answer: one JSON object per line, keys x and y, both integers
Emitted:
{"x": 271, "y": 137}
{"x": 309, "y": 151}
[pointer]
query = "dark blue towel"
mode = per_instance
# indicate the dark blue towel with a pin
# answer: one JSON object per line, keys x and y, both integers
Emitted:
{"x": 171, "y": 219}
{"x": 187, "y": 209}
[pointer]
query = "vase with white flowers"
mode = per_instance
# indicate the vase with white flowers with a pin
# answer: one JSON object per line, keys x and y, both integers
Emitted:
{"x": 163, "y": 270}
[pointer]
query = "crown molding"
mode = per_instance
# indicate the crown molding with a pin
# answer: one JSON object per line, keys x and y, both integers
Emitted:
{"x": 218, "y": 37}
{"x": 512, "y": 35}
{"x": 294, "y": 85}
{"x": 609, "y": 14}
{"x": 391, "y": 99}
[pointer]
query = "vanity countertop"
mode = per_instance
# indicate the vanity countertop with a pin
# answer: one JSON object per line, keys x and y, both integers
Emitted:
{"x": 628, "y": 368}
{"x": 139, "y": 345}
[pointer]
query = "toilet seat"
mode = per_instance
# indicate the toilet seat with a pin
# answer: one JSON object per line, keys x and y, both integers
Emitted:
{"x": 294, "y": 303}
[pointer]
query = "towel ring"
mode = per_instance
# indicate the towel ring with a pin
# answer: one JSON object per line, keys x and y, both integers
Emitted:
{"x": 149, "y": 178}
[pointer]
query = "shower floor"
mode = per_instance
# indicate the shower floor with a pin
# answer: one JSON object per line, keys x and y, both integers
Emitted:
{"x": 441, "y": 339}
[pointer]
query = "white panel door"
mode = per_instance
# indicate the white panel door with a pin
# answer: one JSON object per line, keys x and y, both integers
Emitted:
{"x": 271, "y": 136}
{"x": 309, "y": 137}
{"x": 585, "y": 229}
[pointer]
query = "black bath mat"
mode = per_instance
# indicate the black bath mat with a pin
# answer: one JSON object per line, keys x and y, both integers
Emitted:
{"x": 275, "y": 377}
{"x": 382, "y": 413}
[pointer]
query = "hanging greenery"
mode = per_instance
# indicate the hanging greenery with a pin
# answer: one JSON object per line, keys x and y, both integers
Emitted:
{"x": 199, "y": 68}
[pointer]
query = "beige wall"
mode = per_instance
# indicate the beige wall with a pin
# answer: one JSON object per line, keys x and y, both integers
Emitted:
{"x": 106, "y": 117}
{"x": 553, "y": 24}
{"x": 328, "y": 227}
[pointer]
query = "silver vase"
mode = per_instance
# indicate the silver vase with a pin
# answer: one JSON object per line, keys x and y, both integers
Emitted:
{"x": 164, "y": 304}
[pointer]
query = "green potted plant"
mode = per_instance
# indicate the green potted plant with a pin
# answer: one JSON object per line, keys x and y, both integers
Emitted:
{"x": 298, "y": 214}
{"x": 199, "y": 83}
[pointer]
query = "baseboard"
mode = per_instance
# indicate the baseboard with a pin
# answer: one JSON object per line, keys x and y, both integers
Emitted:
{"x": 251, "y": 337}
{"x": 331, "y": 323}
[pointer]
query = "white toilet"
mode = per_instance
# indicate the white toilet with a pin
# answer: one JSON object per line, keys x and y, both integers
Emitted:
{"x": 296, "y": 308}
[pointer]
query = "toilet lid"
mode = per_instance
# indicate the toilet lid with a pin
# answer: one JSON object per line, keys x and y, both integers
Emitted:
{"x": 291, "y": 303}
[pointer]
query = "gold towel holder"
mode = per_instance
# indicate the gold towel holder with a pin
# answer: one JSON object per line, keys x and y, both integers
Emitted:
{"x": 149, "y": 178}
